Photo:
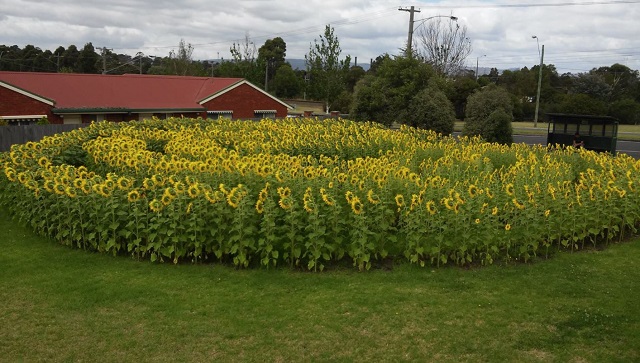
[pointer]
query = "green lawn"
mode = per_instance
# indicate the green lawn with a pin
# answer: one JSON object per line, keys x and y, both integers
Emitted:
{"x": 59, "y": 304}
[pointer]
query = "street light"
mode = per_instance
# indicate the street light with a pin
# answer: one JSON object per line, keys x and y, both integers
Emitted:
{"x": 535, "y": 119}
{"x": 537, "y": 41}
{"x": 413, "y": 28}
{"x": 477, "y": 60}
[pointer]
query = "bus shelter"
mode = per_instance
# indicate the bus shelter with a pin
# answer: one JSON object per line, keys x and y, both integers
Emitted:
{"x": 599, "y": 133}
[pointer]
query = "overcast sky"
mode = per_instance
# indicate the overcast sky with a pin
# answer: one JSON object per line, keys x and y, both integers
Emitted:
{"x": 578, "y": 35}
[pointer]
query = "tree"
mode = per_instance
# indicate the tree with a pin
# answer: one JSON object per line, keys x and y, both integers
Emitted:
{"x": 385, "y": 96}
{"x": 582, "y": 104}
{"x": 431, "y": 109}
{"x": 244, "y": 62}
{"x": 272, "y": 55}
{"x": 444, "y": 46}
{"x": 355, "y": 74}
{"x": 286, "y": 82}
{"x": 88, "y": 59}
{"x": 627, "y": 111}
{"x": 181, "y": 60}
{"x": 623, "y": 81}
{"x": 462, "y": 89}
{"x": 489, "y": 114}
{"x": 29, "y": 54}
{"x": 70, "y": 58}
{"x": 593, "y": 85}
{"x": 326, "y": 69}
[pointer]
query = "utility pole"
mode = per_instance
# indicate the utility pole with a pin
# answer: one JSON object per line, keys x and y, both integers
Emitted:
{"x": 266, "y": 77}
{"x": 104, "y": 59}
{"x": 411, "y": 11}
{"x": 535, "y": 119}
{"x": 58, "y": 62}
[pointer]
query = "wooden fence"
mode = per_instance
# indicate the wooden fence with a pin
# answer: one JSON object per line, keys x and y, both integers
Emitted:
{"x": 21, "y": 134}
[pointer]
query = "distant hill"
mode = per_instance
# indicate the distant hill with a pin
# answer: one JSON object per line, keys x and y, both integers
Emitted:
{"x": 300, "y": 63}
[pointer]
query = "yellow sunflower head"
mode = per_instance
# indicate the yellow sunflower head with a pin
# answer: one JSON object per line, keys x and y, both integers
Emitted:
{"x": 133, "y": 196}
{"x": 356, "y": 205}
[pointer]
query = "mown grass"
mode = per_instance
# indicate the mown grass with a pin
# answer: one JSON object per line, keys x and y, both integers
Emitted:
{"x": 59, "y": 304}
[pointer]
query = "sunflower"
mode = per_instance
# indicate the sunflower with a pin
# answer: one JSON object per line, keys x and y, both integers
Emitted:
{"x": 48, "y": 185}
{"x": 260, "y": 206}
{"x": 109, "y": 184}
{"x": 158, "y": 179}
{"x": 372, "y": 197}
{"x": 494, "y": 211}
{"x": 431, "y": 207}
{"x": 399, "y": 200}
{"x": 59, "y": 189}
{"x": 70, "y": 192}
{"x": 78, "y": 183}
{"x": 189, "y": 207}
{"x": 507, "y": 227}
{"x": 235, "y": 196}
{"x": 194, "y": 190}
{"x": 517, "y": 203}
{"x": 124, "y": 183}
{"x": 509, "y": 189}
{"x": 473, "y": 190}
{"x": 22, "y": 177}
{"x": 148, "y": 183}
{"x": 285, "y": 203}
{"x": 85, "y": 186}
{"x": 10, "y": 173}
{"x": 43, "y": 162}
{"x": 349, "y": 196}
{"x": 156, "y": 206}
{"x": 283, "y": 192}
{"x": 449, "y": 203}
{"x": 133, "y": 196}
{"x": 308, "y": 200}
{"x": 477, "y": 220}
{"x": 104, "y": 191}
{"x": 326, "y": 198}
{"x": 166, "y": 199}
{"x": 547, "y": 212}
{"x": 180, "y": 187}
{"x": 356, "y": 205}
{"x": 415, "y": 200}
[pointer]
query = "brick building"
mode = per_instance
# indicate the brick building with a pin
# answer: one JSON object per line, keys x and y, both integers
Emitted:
{"x": 64, "y": 98}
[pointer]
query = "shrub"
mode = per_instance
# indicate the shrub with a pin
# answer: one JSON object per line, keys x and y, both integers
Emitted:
{"x": 627, "y": 111}
{"x": 431, "y": 109}
{"x": 488, "y": 112}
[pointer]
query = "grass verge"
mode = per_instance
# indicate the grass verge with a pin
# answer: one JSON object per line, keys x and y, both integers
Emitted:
{"x": 60, "y": 304}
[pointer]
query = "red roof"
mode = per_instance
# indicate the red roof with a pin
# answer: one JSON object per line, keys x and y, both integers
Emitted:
{"x": 130, "y": 91}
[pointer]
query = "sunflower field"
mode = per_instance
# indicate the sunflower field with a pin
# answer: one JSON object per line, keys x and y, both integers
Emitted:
{"x": 309, "y": 193}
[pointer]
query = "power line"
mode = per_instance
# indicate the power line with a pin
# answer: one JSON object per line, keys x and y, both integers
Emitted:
{"x": 532, "y": 5}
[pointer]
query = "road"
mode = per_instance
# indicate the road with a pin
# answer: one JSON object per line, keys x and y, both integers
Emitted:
{"x": 632, "y": 148}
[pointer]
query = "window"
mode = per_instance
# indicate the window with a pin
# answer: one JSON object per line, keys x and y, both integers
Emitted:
{"x": 22, "y": 119}
{"x": 264, "y": 114}
{"x": 218, "y": 114}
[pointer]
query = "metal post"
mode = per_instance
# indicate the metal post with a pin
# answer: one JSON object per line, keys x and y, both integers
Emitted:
{"x": 535, "y": 120}
{"x": 411, "y": 11}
